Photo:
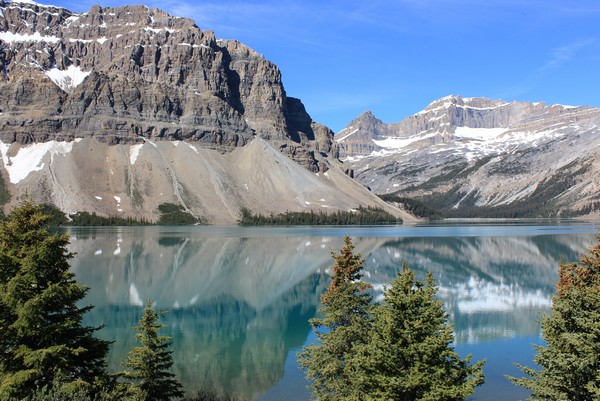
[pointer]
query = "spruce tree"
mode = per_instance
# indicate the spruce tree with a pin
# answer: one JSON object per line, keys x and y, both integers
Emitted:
{"x": 150, "y": 363}
{"x": 409, "y": 355}
{"x": 43, "y": 344}
{"x": 343, "y": 324}
{"x": 570, "y": 360}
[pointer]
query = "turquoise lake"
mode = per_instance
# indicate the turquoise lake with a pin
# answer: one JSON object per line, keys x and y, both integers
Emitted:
{"x": 239, "y": 299}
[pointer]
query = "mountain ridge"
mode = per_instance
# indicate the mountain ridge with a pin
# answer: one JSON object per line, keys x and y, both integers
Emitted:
{"x": 473, "y": 155}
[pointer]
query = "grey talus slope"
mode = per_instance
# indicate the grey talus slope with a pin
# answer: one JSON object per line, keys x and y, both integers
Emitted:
{"x": 133, "y": 180}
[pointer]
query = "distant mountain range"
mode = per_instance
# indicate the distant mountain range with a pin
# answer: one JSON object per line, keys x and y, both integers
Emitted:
{"x": 118, "y": 110}
{"x": 481, "y": 157}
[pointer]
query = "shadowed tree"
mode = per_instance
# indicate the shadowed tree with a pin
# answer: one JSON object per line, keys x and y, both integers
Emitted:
{"x": 43, "y": 344}
{"x": 570, "y": 361}
{"x": 149, "y": 364}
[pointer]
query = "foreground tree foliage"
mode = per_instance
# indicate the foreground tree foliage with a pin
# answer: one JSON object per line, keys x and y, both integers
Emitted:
{"x": 345, "y": 322}
{"x": 570, "y": 360}
{"x": 150, "y": 363}
{"x": 400, "y": 349}
{"x": 44, "y": 348}
{"x": 409, "y": 355}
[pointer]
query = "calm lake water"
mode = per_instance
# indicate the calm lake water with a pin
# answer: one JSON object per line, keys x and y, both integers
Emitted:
{"x": 239, "y": 299}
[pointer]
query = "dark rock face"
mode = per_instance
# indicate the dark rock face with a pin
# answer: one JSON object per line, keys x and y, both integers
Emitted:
{"x": 118, "y": 74}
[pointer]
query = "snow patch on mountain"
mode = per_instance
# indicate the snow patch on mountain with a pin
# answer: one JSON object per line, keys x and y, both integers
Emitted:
{"x": 69, "y": 78}
{"x": 481, "y": 134}
{"x": 10, "y": 37}
{"x": 33, "y": 3}
{"x": 134, "y": 152}
{"x": 158, "y": 30}
{"x": 347, "y": 135}
{"x": 467, "y": 141}
{"x": 400, "y": 143}
{"x": 194, "y": 46}
{"x": 31, "y": 158}
{"x": 86, "y": 41}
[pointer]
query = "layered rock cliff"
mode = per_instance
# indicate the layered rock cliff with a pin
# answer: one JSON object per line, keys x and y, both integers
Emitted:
{"x": 83, "y": 94}
{"x": 476, "y": 156}
{"x": 119, "y": 74}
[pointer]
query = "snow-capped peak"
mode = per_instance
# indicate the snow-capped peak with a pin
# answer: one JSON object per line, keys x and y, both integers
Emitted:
{"x": 33, "y": 3}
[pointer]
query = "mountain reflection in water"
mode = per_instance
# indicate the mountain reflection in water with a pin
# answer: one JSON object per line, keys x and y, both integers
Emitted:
{"x": 238, "y": 304}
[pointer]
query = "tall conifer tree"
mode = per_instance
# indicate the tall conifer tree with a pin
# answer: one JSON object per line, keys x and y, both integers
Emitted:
{"x": 343, "y": 323}
{"x": 43, "y": 344}
{"x": 150, "y": 363}
{"x": 409, "y": 355}
{"x": 570, "y": 360}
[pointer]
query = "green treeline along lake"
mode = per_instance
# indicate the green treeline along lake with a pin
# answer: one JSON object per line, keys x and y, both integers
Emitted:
{"x": 239, "y": 298}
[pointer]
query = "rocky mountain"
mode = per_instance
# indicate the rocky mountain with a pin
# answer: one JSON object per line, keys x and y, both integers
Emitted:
{"x": 482, "y": 157}
{"x": 95, "y": 105}
{"x": 119, "y": 74}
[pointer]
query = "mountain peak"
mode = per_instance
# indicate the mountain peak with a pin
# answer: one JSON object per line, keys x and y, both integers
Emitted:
{"x": 366, "y": 114}
{"x": 131, "y": 71}
{"x": 479, "y": 152}
{"x": 450, "y": 99}
{"x": 365, "y": 118}
{"x": 365, "y": 122}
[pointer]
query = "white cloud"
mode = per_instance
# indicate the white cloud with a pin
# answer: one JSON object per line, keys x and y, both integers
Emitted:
{"x": 563, "y": 54}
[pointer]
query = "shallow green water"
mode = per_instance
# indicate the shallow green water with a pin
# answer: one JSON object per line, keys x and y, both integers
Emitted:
{"x": 239, "y": 299}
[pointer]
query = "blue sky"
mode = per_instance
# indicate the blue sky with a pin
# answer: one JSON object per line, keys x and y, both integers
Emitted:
{"x": 394, "y": 57}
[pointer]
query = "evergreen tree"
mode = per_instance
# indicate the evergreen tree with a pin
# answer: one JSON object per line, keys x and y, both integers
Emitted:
{"x": 570, "y": 360}
{"x": 409, "y": 355}
{"x": 150, "y": 363}
{"x": 43, "y": 344}
{"x": 343, "y": 324}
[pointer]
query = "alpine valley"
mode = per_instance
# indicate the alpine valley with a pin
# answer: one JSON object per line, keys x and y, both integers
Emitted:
{"x": 119, "y": 110}
{"x": 476, "y": 157}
